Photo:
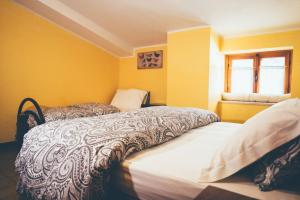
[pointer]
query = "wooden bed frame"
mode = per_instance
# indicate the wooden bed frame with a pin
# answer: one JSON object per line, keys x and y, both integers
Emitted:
{"x": 22, "y": 117}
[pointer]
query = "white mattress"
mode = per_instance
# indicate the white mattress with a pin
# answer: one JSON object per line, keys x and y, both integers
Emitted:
{"x": 171, "y": 170}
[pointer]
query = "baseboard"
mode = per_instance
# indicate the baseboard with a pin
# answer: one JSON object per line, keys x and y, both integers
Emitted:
{"x": 8, "y": 144}
{"x": 8, "y": 140}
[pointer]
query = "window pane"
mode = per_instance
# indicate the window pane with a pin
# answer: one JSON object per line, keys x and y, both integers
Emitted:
{"x": 242, "y": 76}
{"x": 272, "y": 75}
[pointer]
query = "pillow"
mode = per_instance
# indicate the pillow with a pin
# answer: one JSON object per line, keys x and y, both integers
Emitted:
{"x": 130, "y": 99}
{"x": 259, "y": 135}
{"x": 278, "y": 168}
{"x": 235, "y": 97}
{"x": 268, "y": 98}
{"x": 254, "y": 97}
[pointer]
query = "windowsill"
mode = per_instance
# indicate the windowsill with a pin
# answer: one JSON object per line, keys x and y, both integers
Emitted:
{"x": 253, "y": 98}
{"x": 247, "y": 102}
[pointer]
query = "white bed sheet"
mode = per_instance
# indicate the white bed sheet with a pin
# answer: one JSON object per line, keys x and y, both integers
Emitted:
{"x": 170, "y": 170}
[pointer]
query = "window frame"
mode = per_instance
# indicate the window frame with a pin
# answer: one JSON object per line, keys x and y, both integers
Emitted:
{"x": 257, "y": 56}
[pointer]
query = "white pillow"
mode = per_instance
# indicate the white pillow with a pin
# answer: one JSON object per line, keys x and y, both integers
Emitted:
{"x": 254, "y": 97}
{"x": 130, "y": 99}
{"x": 235, "y": 97}
{"x": 268, "y": 98}
{"x": 259, "y": 135}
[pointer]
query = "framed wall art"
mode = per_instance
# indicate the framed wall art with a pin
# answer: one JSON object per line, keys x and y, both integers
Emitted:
{"x": 150, "y": 60}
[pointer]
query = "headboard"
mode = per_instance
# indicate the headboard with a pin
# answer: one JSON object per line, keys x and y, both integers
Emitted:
{"x": 146, "y": 102}
{"x": 22, "y": 117}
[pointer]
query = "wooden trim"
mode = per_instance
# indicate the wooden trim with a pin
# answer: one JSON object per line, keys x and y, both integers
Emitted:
{"x": 228, "y": 68}
{"x": 270, "y": 54}
{"x": 256, "y": 73}
{"x": 256, "y": 67}
{"x": 242, "y": 56}
{"x": 227, "y": 84}
{"x": 287, "y": 71}
{"x": 287, "y": 76}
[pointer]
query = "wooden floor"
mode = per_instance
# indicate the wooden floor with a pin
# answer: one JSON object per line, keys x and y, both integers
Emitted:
{"x": 8, "y": 177}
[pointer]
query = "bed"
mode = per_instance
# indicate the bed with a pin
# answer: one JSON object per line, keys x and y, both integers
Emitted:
{"x": 151, "y": 153}
{"x": 38, "y": 114}
{"x": 74, "y": 159}
{"x": 170, "y": 170}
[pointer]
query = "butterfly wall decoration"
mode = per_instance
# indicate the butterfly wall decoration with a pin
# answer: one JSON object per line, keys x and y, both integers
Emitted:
{"x": 150, "y": 60}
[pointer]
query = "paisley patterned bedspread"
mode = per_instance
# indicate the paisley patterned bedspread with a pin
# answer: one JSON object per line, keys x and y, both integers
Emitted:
{"x": 73, "y": 159}
{"x": 73, "y": 111}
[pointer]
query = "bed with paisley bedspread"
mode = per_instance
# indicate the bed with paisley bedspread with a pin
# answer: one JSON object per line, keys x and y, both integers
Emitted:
{"x": 74, "y": 159}
{"x": 37, "y": 115}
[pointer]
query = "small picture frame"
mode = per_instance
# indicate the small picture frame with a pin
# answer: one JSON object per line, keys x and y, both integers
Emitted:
{"x": 150, "y": 60}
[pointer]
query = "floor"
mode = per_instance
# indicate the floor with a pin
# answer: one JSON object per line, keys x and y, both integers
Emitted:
{"x": 8, "y": 177}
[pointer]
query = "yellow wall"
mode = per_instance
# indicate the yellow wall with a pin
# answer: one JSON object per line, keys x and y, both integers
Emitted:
{"x": 240, "y": 112}
{"x": 40, "y": 60}
{"x": 188, "y": 68}
{"x": 153, "y": 80}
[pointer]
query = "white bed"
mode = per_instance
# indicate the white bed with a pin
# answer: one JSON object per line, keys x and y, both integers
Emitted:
{"x": 171, "y": 170}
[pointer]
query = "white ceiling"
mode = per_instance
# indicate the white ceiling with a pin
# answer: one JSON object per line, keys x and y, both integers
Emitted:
{"x": 121, "y": 25}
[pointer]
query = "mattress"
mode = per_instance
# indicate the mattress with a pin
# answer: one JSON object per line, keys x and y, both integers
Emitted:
{"x": 171, "y": 170}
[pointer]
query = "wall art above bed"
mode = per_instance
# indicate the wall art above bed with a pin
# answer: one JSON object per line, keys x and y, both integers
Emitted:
{"x": 150, "y": 60}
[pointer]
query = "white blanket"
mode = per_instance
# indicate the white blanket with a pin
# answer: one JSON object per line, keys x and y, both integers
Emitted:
{"x": 171, "y": 170}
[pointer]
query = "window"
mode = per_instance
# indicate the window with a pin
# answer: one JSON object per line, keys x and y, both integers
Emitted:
{"x": 263, "y": 73}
